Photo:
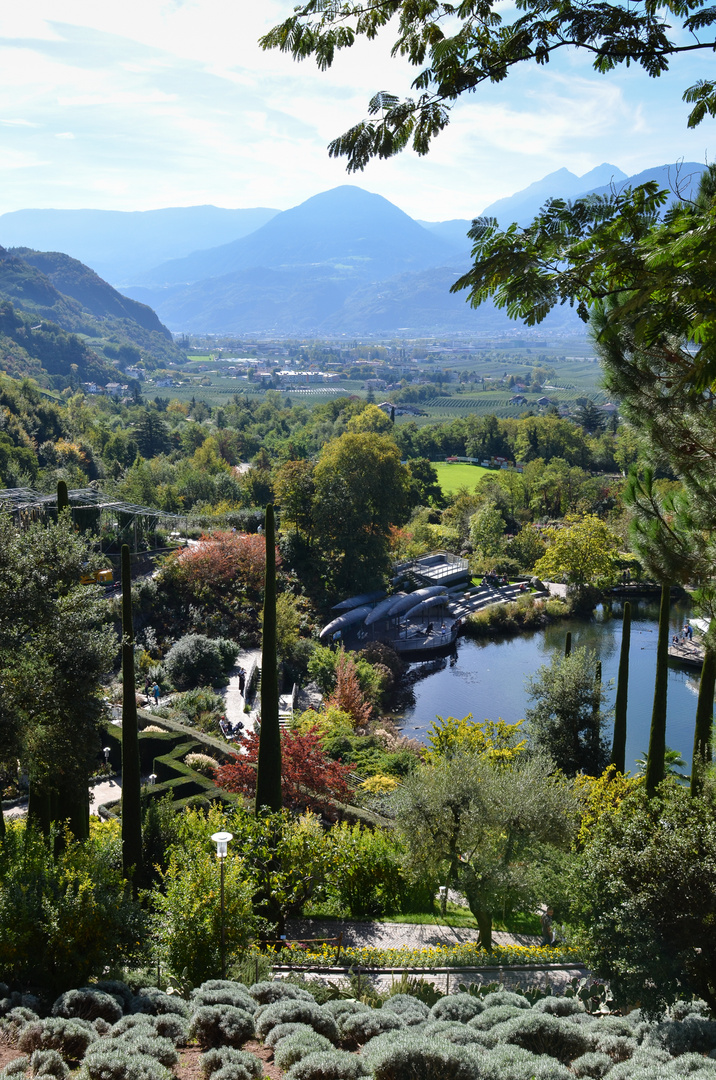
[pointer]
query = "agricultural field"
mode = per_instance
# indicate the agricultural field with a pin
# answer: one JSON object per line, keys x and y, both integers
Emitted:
{"x": 457, "y": 474}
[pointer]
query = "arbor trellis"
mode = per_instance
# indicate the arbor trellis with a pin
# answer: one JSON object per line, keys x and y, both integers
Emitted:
{"x": 89, "y": 508}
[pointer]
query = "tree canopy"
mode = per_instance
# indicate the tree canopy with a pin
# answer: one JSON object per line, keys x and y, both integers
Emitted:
{"x": 457, "y": 47}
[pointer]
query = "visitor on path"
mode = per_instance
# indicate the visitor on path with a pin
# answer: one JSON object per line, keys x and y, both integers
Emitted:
{"x": 242, "y": 681}
{"x": 547, "y": 927}
{"x": 156, "y": 693}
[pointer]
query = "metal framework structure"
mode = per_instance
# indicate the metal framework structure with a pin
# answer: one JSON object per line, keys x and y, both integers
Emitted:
{"x": 25, "y": 504}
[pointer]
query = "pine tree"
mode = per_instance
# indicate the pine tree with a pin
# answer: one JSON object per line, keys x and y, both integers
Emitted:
{"x": 268, "y": 777}
{"x": 620, "y": 704}
{"x": 131, "y": 778}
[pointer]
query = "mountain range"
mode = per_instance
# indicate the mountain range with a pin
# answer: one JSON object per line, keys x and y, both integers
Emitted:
{"x": 57, "y": 312}
{"x": 343, "y": 261}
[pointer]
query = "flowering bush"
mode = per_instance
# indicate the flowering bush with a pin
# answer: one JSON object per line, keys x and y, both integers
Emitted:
{"x": 434, "y": 956}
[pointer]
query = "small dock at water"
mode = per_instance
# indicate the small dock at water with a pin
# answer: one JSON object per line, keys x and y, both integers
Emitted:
{"x": 687, "y": 652}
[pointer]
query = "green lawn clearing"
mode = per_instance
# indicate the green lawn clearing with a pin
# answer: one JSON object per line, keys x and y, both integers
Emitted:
{"x": 452, "y": 476}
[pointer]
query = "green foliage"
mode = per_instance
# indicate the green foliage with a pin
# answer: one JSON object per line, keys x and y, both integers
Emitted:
{"x": 367, "y": 877}
{"x": 493, "y": 827}
{"x": 568, "y": 718}
{"x": 187, "y": 926}
{"x": 497, "y": 740}
{"x": 644, "y": 898}
{"x": 456, "y": 57}
{"x": 361, "y": 491}
{"x": 581, "y": 552}
{"x": 197, "y": 660}
{"x": 131, "y": 778}
{"x": 200, "y": 708}
{"x": 62, "y": 918}
{"x": 55, "y": 648}
{"x": 220, "y": 1025}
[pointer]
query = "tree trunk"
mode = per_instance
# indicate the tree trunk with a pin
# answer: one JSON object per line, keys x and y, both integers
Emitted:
{"x": 704, "y": 720}
{"x": 620, "y": 705}
{"x": 131, "y": 778}
{"x": 657, "y": 737}
{"x": 484, "y": 925}
{"x": 268, "y": 773}
{"x": 568, "y": 644}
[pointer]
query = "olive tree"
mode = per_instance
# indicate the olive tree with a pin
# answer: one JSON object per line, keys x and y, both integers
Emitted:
{"x": 493, "y": 829}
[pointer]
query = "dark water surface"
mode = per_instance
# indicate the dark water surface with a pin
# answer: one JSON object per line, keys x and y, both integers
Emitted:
{"x": 487, "y": 678}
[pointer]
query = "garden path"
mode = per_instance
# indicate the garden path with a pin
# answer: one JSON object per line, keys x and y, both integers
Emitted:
{"x": 234, "y": 700}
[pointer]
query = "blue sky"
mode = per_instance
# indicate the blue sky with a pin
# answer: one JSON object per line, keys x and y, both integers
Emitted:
{"x": 148, "y": 103}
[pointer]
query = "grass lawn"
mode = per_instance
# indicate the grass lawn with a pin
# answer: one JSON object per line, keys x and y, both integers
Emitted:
{"x": 516, "y": 923}
{"x": 457, "y": 475}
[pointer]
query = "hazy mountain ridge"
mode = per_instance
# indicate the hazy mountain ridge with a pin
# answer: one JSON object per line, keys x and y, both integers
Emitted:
{"x": 347, "y": 260}
{"x": 119, "y": 244}
{"x": 345, "y": 229}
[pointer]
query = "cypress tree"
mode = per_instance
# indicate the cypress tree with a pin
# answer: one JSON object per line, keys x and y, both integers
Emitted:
{"x": 131, "y": 779}
{"x": 657, "y": 736}
{"x": 704, "y": 720}
{"x": 63, "y": 499}
{"x": 268, "y": 776}
{"x": 620, "y": 704}
{"x": 568, "y": 644}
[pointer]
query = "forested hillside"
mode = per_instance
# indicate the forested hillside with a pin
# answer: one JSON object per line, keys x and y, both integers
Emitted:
{"x": 51, "y": 286}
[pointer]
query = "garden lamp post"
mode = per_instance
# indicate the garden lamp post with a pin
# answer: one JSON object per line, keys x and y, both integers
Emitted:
{"x": 106, "y": 751}
{"x": 221, "y": 839}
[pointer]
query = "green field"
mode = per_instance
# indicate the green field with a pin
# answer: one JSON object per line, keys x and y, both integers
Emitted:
{"x": 453, "y": 476}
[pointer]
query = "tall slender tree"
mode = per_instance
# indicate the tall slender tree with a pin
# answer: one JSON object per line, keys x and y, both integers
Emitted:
{"x": 704, "y": 720}
{"x": 662, "y": 531}
{"x": 655, "y": 766}
{"x": 568, "y": 644}
{"x": 268, "y": 778}
{"x": 131, "y": 778}
{"x": 620, "y": 704}
{"x": 63, "y": 499}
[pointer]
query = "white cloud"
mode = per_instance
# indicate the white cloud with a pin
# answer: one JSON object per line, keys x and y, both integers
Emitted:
{"x": 170, "y": 102}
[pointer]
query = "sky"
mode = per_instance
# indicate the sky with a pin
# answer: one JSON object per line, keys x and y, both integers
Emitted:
{"x": 142, "y": 104}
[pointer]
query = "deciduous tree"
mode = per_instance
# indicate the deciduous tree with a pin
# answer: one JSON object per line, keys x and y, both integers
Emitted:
{"x": 568, "y": 718}
{"x": 644, "y": 890}
{"x": 309, "y": 779}
{"x": 491, "y": 827}
{"x": 580, "y": 552}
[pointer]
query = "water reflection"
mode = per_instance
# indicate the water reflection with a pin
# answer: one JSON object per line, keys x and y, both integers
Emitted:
{"x": 487, "y": 678}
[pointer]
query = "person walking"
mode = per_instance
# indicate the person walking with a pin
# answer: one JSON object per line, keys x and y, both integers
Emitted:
{"x": 547, "y": 927}
{"x": 156, "y": 694}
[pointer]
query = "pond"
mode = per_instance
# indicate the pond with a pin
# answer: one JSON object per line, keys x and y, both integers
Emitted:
{"x": 487, "y": 677}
